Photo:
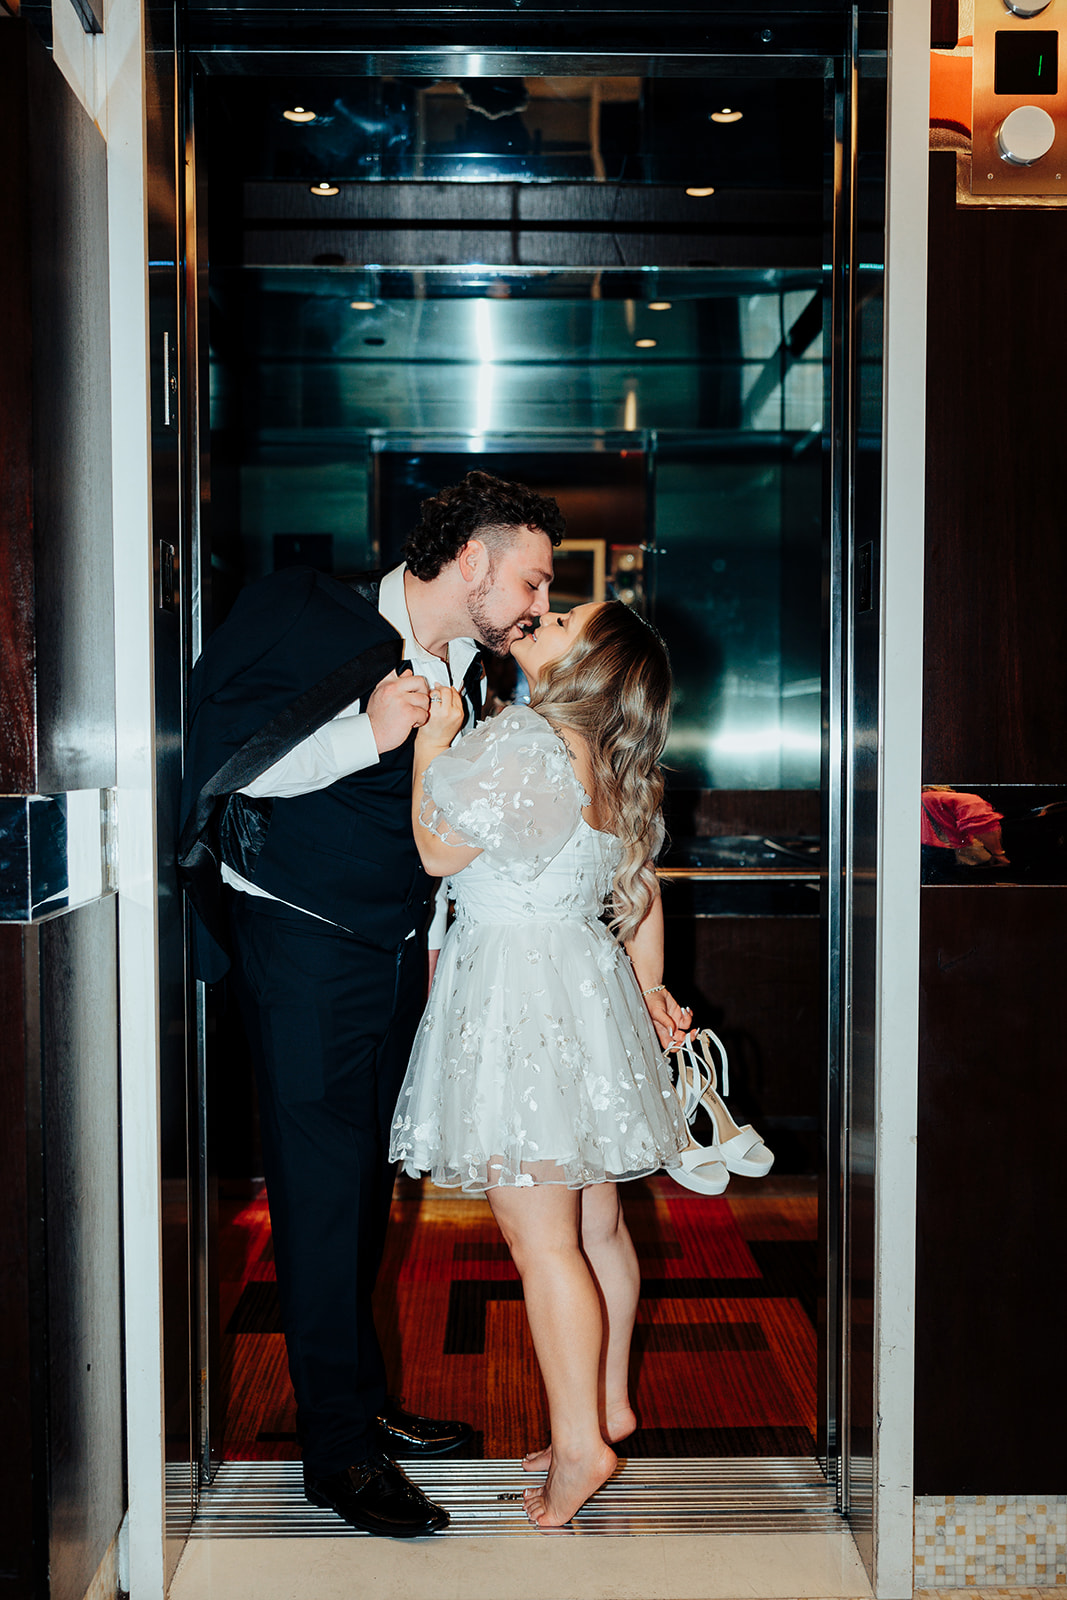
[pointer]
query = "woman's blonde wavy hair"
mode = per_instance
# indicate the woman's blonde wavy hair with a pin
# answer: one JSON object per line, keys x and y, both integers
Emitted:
{"x": 613, "y": 686}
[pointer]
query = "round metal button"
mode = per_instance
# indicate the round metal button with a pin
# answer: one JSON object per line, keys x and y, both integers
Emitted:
{"x": 1025, "y": 135}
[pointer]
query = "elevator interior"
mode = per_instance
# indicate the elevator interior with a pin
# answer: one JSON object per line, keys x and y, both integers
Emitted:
{"x": 690, "y": 470}
{"x": 654, "y": 293}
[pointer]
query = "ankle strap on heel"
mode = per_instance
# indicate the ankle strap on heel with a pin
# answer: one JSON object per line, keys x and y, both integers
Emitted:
{"x": 697, "y": 1073}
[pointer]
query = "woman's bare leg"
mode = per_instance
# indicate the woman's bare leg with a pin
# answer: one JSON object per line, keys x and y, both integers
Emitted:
{"x": 540, "y": 1225}
{"x": 609, "y": 1250}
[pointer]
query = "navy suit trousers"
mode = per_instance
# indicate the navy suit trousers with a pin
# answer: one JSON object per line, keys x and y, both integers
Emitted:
{"x": 330, "y": 1023}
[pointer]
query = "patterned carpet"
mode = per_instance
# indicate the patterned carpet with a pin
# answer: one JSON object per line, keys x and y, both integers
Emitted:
{"x": 725, "y": 1347}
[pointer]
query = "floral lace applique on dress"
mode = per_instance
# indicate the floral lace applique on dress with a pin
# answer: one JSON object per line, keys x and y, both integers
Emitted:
{"x": 535, "y": 1061}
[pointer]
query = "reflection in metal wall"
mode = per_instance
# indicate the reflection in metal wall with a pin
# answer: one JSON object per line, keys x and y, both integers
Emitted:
{"x": 994, "y": 833}
{"x": 183, "y": 1363}
{"x": 856, "y": 687}
{"x": 716, "y": 377}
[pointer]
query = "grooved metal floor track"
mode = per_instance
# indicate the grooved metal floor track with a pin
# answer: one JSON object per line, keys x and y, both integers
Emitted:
{"x": 764, "y": 1494}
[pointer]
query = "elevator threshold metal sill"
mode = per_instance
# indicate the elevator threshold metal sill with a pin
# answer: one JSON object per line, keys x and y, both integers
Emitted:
{"x": 764, "y": 1494}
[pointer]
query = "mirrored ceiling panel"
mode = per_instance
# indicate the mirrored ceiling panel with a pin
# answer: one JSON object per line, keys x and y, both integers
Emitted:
{"x": 746, "y": 131}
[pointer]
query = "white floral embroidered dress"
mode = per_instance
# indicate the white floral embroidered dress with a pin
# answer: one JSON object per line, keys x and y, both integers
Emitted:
{"x": 535, "y": 1061}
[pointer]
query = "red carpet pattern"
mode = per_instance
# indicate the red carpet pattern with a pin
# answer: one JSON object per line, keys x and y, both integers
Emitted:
{"x": 724, "y": 1352}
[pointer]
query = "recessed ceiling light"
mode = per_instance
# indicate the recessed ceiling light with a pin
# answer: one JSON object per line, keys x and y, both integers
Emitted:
{"x": 299, "y": 114}
{"x": 361, "y": 305}
{"x": 645, "y": 344}
{"x": 700, "y": 194}
{"x": 324, "y": 188}
{"x": 726, "y": 115}
{"x": 659, "y": 305}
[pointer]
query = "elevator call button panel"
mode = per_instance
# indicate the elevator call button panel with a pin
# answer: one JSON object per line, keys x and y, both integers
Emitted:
{"x": 1019, "y": 99}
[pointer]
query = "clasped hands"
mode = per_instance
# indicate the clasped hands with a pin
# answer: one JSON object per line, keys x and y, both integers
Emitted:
{"x": 405, "y": 701}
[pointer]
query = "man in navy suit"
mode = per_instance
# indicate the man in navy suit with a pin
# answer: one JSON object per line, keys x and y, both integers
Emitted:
{"x": 298, "y": 856}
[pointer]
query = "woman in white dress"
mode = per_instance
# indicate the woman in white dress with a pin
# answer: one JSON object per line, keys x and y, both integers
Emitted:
{"x": 536, "y": 1074}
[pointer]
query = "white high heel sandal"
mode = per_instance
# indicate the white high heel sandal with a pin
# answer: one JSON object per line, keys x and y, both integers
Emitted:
{"x": 740, "y": 1150}
{"x": 702, "y": 1169}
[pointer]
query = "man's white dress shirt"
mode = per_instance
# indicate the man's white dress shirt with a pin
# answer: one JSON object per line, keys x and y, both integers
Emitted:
{"x": 346, "y": 743}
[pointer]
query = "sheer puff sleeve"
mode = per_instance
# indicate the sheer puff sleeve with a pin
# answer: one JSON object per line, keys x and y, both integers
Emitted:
{"x": 508, "y": 789}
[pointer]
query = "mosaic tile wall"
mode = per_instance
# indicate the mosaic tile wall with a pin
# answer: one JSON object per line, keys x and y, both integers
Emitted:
{"x": 979, "y": 1541}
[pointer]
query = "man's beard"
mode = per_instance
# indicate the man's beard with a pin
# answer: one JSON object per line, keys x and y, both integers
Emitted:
{"x": 495, "y": 638}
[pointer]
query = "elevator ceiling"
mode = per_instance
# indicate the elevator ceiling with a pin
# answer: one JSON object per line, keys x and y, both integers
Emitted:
{"x": 528, "y": 37}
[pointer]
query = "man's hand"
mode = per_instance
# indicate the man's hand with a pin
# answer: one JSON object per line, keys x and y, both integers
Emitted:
{"x": 396, "y": 706}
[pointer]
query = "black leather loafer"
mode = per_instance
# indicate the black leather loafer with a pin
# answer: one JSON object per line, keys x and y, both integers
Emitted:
{"x": 401, "y": 1433}
{"x": 376, "y": 1496}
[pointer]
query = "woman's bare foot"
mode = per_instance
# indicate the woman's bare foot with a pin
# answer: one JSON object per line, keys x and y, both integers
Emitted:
{"x": 568, "y": 1487}
{"x": 618, "y": 1425}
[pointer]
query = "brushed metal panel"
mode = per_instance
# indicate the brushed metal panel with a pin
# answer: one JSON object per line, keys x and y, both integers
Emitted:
{"x": 23, "y": 1505}
{"x": 991, "y": 174}
{"x": 265, "y": 57}
{"x": 77, "y": 1000}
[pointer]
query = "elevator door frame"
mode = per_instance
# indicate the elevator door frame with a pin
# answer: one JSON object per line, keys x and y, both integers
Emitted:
{"x": 834, "y": 1347}
{"x": 900, "y": 580}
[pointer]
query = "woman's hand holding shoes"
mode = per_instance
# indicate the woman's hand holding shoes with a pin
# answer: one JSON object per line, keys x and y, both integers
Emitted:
{"x": 671, "y": 1021}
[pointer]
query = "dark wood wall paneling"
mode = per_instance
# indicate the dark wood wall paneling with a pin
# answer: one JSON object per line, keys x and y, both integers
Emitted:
{"x": 71, "y": 410}
{"x": 757, "y": 980}
{"x": 61, "y": 1486}
{"x": 944, "y": 24}
{"x": 990, "y": 1405}
{"x": 23, "y": 1538}
{"x": 517, "y": 224}
{"x": 737, "y": 813}
{"x": 990, "y": 1412}
{"x": 996, "y": 555}
{"x": 18, "y": 751}
{"x": 57, "y": 676}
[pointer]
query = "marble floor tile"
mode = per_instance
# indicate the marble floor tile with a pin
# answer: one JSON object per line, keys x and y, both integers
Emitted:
{"x": 555, "y": 1567}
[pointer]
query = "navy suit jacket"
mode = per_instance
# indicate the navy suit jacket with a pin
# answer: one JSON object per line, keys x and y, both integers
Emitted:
{"x": 296, "y": 648}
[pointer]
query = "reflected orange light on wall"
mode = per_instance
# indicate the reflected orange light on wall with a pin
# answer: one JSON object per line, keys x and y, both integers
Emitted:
{"x": 950, "y": 90}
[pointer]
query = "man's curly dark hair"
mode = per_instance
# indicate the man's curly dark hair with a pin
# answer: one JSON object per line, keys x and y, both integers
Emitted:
{"x": 479, "y": 505}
